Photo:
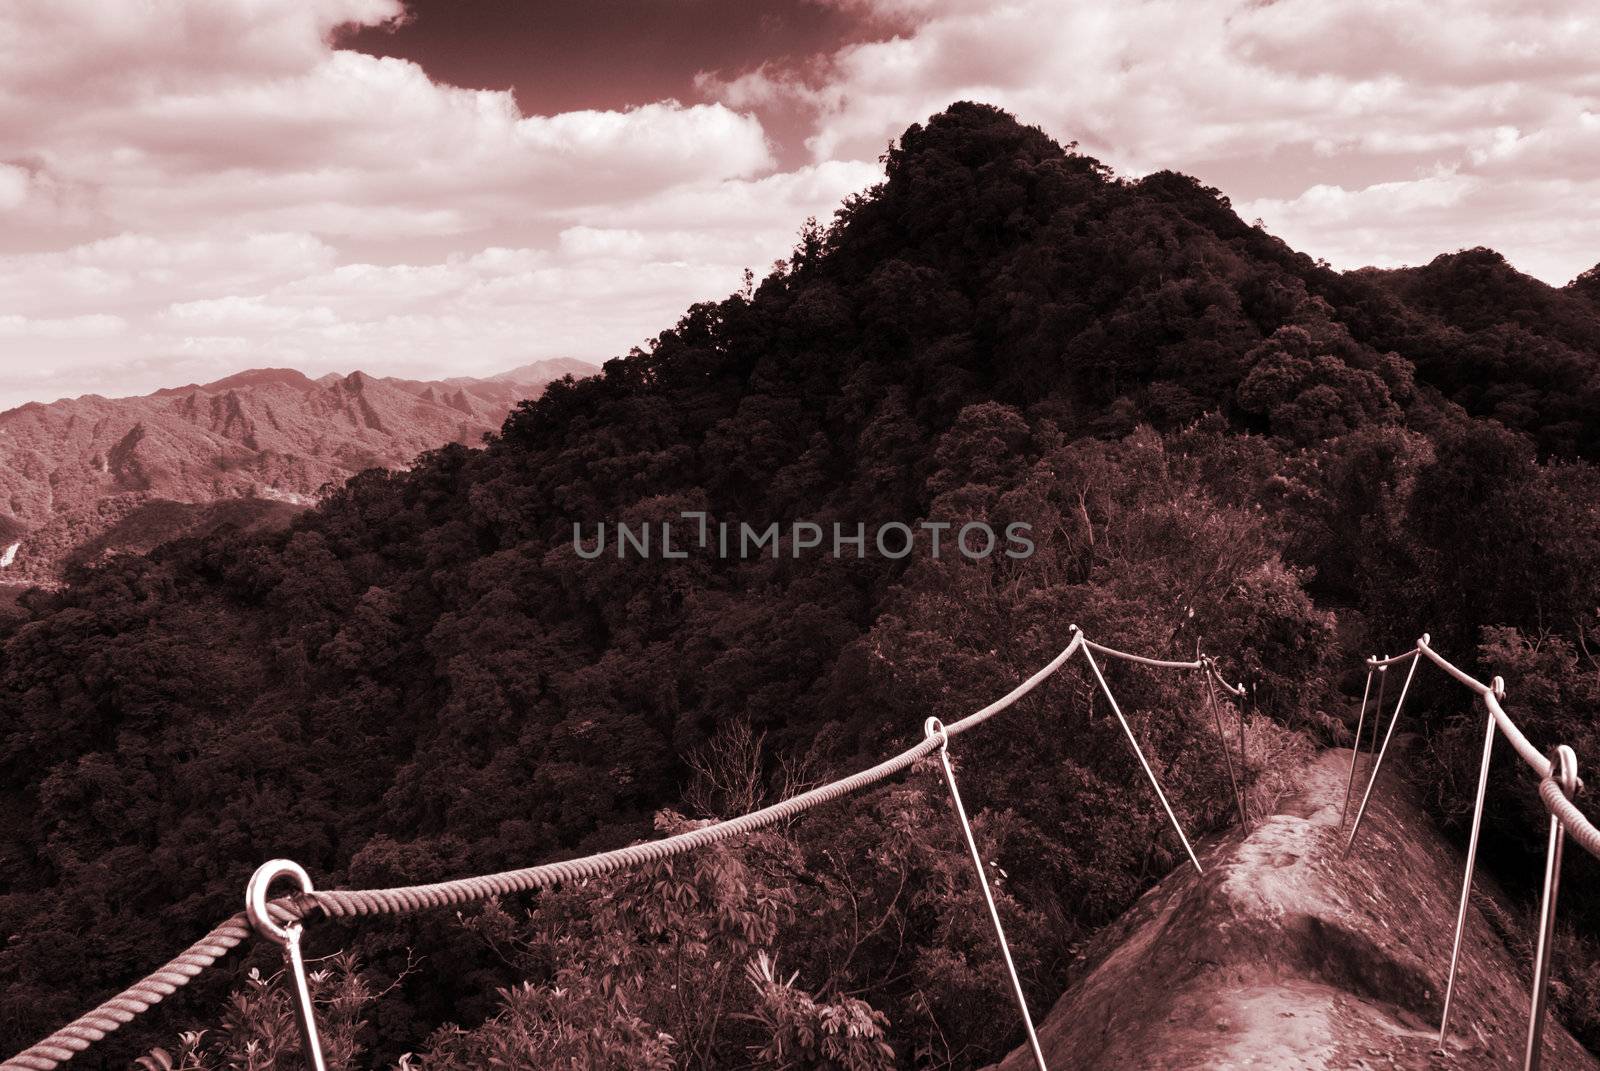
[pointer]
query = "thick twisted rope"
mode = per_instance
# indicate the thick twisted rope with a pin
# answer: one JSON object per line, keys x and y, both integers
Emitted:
{"x": 138, "y": 998}
{"x": 1160, "y": 663}
{"x": 344, "y": 903}
{"x": 144, "y": 994}
{"x": 1577, "y": 825}
{"x": 1530, "y": 754}
{"x": 1203, "y": 662}
{"x": 404, "y": 899}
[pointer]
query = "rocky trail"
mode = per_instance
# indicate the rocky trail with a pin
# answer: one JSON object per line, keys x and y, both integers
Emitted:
{"x": 1287, "y": 954}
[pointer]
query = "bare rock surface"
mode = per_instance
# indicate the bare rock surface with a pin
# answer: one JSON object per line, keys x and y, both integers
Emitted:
{"x": 1288, "y": 954}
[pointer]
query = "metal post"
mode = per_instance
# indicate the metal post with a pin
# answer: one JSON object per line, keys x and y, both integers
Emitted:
{"x": 1227, "y": 751}
{"x": 1564, "y": 769}
{"x": 1244, "y": 745}
{"x": 1355, "y": 752}
{"x": 933, "y": 729}
{"x": 1377, "y": 764}
{"x": 1162, "y": 796}
{"x": 1472, "y": 858}
{"x": 288, "y": 937}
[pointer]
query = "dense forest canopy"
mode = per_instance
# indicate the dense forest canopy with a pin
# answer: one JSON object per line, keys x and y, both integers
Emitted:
{"x": 1216, "y": 440}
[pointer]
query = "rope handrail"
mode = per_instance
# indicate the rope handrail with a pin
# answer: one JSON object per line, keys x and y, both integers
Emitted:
{"x": 1558, "y": 782}
{"x": 1160, "y": 663}
{"x": 978, "y": 717}
{"x": 138, "y": 998}
{"x": 1235, "y": 690}
{"x": 1567, "y": 813}
{"x": 121, "y": 1009}
{"x": 152, "y": 989}
{"x": 404, "y": 899}
{"x": 1203, "y": 662}
{"x": 1575, "y": 821}
{"x": 1530, "y": 754}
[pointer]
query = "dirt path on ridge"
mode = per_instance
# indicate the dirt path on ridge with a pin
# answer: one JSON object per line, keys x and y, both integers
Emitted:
{"x": 1286, "y": 955}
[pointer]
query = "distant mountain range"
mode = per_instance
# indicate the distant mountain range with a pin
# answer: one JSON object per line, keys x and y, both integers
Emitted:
{"x": 85, "y": 477}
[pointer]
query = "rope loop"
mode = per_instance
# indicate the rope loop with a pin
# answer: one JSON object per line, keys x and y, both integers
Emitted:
{"x": 1498, "y": 687}
{"x": 255, "y": 898}
{"x": 1564, "y": 770}
{"x": 933, "y": 729}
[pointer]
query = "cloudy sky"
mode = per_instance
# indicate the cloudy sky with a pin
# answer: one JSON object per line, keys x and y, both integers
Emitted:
{"x": 443, "y": 187}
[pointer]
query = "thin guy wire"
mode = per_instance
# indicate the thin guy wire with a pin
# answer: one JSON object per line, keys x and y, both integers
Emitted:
{"x": 1160, "y": 795}
{"x": 1466, "y": 880}
{"x": 1377, "y": 717}
{"x": 1377, "y": 764}
{"x": 1564, "y": 768}
{"x": 1227, "y": 752}
{"x": 935, "y": 731}
{"x": 1355, "y": 752}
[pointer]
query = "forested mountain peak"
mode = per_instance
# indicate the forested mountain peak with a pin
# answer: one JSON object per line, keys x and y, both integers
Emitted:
{"x": 1587, "y": 285}
{"x": 1476, "y": 289}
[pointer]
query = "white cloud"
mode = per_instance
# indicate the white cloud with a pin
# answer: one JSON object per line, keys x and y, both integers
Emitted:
{"x": 137, "y": 272}
{"x": 610, "y": 279}
{"x": 13, "y": 187}
{"x": 241, "y": 313}
{"x": 1539, "y": 225}
{"x": 56, "y": 52}
{"x": 224, "y": 186}
{"x": 68, "y": 327}
{"x": 355, "y": 144}
{"x": 1379, "y": 93}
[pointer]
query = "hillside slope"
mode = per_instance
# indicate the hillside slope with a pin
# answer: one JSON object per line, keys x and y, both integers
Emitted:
{"x": 1287, "y": 954}
{"x": 77, "y": 470}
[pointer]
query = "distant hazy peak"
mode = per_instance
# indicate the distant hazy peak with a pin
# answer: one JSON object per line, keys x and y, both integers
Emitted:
{"x": 547, "y": 370}
{"x": 251, "y": 377}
